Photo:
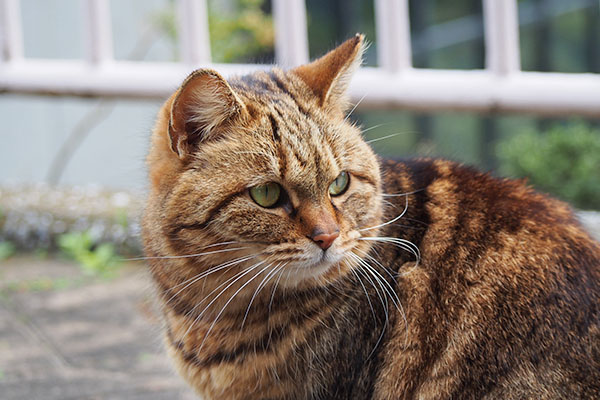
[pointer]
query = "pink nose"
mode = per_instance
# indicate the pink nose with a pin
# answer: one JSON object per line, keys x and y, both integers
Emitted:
{"x": 324, "y": 240}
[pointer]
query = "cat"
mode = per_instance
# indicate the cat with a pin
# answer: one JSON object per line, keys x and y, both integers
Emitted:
{"x": 292, "y": 263}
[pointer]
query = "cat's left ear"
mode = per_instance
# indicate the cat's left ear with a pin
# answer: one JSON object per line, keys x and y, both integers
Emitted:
{"x": 329, "y": 76}
{"x": 204, "y": 103}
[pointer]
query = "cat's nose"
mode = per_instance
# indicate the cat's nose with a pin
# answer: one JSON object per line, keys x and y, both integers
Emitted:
{"x": 324, "y": 240}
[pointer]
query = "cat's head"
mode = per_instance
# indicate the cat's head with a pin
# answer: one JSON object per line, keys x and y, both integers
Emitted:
{"x": 267, "y": 164}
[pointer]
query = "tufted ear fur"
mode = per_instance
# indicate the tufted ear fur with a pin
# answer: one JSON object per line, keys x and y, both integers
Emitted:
{"x": 329, "y": 76}
{"x": 203, "y": 103}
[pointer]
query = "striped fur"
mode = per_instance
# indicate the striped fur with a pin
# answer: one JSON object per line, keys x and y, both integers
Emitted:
{"x": 503, "y": 301}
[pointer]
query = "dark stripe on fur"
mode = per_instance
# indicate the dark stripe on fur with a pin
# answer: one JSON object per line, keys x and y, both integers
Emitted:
{"x": 274, "y": 128}
{"x": 282, "y": 86}
{"x": 176, "y": 228}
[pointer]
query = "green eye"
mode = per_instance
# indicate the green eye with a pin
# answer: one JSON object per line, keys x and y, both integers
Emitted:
{"x": 266, "y": 195}
{"x": 339, "y": 185}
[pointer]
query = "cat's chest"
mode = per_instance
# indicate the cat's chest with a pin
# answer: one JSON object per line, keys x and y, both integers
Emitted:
{"x": 273, "y": 357}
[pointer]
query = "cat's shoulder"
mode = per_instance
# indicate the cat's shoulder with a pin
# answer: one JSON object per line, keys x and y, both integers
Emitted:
{"x": 448, "y": 185}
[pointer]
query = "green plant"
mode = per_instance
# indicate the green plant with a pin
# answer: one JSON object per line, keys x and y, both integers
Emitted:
{"x": 122, "y": 218}
{"x": 94, "y": 259}
{"x": 7, "y": 249}
{"x": 241, "y": 32}
{"x": 564, "y": 161}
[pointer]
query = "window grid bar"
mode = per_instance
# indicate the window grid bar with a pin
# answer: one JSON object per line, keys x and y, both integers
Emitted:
{"x": 394, "y": 53}
{"x": 194, "y": 40}
{"x": 501, "y": 23}
{"x": 99, "y": 48}
{"x": 11, "y": 37}
{"x": 291, "y": 33}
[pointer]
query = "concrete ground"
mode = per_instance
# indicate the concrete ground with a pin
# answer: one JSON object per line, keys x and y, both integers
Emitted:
{"x": 66, "y": 336}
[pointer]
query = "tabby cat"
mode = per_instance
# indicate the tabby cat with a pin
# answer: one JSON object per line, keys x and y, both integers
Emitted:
{"x": 292, "y": 263}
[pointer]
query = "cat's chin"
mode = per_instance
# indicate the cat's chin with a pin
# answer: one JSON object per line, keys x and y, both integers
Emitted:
{"x": 312, "y": 270}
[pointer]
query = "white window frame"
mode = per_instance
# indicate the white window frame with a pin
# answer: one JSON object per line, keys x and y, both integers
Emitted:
{"x": 501, "y": 86}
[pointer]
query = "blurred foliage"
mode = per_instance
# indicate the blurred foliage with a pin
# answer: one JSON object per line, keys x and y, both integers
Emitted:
{"x": 563, "y": 161}
{"x": 94, "y": 259}
{"x": 122, "y": 218}
{"x": 7, "y": 249}
{"x": 241, "y": 31}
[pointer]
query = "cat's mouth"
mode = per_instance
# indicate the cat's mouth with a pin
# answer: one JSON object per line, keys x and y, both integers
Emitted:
{"x": 317, "y": 263}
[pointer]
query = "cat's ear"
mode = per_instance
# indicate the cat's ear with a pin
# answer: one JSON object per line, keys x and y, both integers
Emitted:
{"x": 204, "y": 102}
{"x": 329, "y": 76}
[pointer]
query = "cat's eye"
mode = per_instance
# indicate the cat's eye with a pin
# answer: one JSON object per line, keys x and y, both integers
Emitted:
{"x": 266, "y": 195}
{"x": 340, "y": 184}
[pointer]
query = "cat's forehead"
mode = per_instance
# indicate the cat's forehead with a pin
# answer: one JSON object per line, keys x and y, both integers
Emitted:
{"x": 295, "y": 131}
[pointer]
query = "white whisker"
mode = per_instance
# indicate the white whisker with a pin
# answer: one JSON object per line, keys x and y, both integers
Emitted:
{"x": 187, "y": 255}
{"x": 229, "y": 282}
{"x": 229, "y": 301}
{"x": 387, "y": 137}
{"x": 401, "y": 194}
{"x": 365, "y": 291}
{"x": 383, "y": 300}
{"x": 354, "y": 108}
{"x": 282, "y": 269}
{"x": 401, "y": 243}
{"x": 262, "y": 284}
{"x": 204, "y": 274}
{"x": 389, "y": 222}
{"x": 373, "y": 127}
{"x": 370, "y": 257}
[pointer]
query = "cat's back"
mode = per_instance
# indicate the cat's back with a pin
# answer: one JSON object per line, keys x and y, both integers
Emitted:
{"x": 506, "y": 297}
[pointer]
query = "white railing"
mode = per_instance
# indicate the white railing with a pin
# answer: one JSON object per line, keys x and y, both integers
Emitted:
{"x": 501, "y": 86}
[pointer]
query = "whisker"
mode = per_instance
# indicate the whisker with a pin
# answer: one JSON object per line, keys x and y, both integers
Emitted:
{"x": 370, "y": 257}
{"x": 374, "y": 127}
{"x": 354, "y": 108}
{"x": 387, "y": 136}
{"x": 401, "y": 194}
{"x": 383, "y": 299}
{"x": 185, "y": 256}
{"x": 378, "y": 277}
{"x": 231, "y": 281}
{"x": 401, "y": 243}
{"x": 389, "y": 222}
{"x": 282, "y": 269}
{"x": 204, "y": 274}
{"x": 227, "y": 303}
{"x": 262, "y": 284}
{"x": 353, "y": 272}
{"x": 393, "y": 296}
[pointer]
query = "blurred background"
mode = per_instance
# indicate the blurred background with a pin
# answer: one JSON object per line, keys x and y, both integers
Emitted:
{"x": 72, "y": 173}
{"x": 72, "y": 168}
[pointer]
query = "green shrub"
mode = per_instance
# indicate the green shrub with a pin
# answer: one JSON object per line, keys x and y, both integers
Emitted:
{"x": 7, "y": 249}
{"x": 240, "y": 32}
{"x": 564, "y": 161}
{"x": 94, "y": 259}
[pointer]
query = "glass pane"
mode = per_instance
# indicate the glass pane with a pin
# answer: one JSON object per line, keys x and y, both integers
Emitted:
{"x": 53, "y": 29}
{"x": 332, "y": 22}
{"x": 143, "y": 30}
{"x": 241, "y": 31}
{"x": 447, "y": 34}
{"x": 560, "y": 36}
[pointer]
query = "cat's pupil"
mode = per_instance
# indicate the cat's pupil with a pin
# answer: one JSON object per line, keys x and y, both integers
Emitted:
{"x": 339, "y": 185}
{"x": 266, "y": 195}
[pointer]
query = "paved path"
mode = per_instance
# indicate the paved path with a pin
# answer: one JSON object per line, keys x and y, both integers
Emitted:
{"x": 63, "y": 336}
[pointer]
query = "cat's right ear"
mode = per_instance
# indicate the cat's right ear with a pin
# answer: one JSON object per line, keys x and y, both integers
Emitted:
{"x": 203, "y": 103}
{"x": 329, "y": 76}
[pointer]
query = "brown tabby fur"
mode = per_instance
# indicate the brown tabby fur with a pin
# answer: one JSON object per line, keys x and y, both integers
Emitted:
{"x": 503, "y": 302}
